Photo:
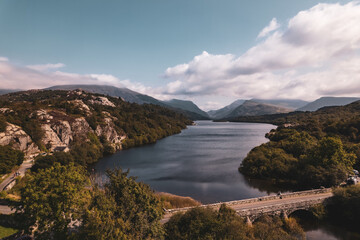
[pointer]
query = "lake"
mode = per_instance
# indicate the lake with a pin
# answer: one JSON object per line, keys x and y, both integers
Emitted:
{"x": 201, "y": 162}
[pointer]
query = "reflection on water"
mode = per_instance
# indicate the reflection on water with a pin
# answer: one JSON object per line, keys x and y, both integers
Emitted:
{"x": 318, "y": 230}
{"x": 269, "y": 186}
{"x": 202, "y": 161}
{"x": 329, "y": 231}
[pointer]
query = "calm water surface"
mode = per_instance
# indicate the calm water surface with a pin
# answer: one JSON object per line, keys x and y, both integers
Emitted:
{"x": 200, "y": 162}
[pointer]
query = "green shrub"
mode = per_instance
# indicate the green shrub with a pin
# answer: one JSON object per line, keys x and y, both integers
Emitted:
{"x": 3, "y": 124}
{"x": 9, "y": 158}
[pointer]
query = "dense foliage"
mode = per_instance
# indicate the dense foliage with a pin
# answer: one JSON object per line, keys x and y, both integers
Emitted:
{"x": 205, "y": 223}
{"x": 125, "y": 209}
{"x": 310, "y": 149}
{"x": 60, "y": 203}
{"x": 52, "y": 199}
{"x": 344, "y": 207}
{"x": 9, "y": 158}
{"x": 3, "y": 124}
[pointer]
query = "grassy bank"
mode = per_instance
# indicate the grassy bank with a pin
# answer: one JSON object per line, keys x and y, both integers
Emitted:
{"x": 173, "y": 201}
{"x": 6, "y": 231}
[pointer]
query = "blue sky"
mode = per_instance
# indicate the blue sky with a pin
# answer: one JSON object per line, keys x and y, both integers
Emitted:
{"x": 139, "y": 44}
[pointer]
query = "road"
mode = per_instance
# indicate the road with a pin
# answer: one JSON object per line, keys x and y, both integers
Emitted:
{"x": 267, "y": 203}
{"x": 22, "y": 169}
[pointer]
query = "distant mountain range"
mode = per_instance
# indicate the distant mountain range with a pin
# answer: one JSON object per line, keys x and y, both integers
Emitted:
{"x": 326, "y": 102}
{"x": 241, "y": 107}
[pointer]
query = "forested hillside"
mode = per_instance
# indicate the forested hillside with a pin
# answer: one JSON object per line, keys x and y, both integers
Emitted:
{"x": 308, "y": 149}
{"x": 89, "y": 125}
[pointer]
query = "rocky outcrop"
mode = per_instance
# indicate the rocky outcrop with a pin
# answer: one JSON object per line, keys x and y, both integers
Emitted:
{"x": 107, "y": 130}
{"x": 51, "y": 139}
{"x": 102, "y": 101}
{"x": 60, "y": 130}
{"x": 19, "y": 140}
{"x": 63, "y": 131}
{"x": 5, "y": 110}
{"x": 81, "y": 106}
{"x": 80, "y": 128}
{"x": 59, "y": 134}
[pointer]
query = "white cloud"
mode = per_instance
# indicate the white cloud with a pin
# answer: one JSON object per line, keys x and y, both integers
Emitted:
{"x": 40, "y": 76}
{"x": 273, "y": 25}
{"x": 46, "y": 67}
{"x": 301, "y": 61}
{"x": 3, "y": 59}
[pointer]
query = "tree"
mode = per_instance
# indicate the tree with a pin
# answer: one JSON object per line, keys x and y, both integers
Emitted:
{"x": 269, "y": 228}
{"x": 102, "y": 220}
{"x": 124, "y": 209}
{"x": 9, "y": 158}
{"x": 344, "y": 206}
{"x": 43, "y": 162}
{"x": 197, "y": 223}
{"x": 52, "y": 199}
{"x": 3, "y": 124}
{"x": 330, "y": 152}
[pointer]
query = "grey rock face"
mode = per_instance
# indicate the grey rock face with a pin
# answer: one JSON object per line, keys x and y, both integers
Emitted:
{"x": 19, "y": 140}
{"x": 108, "y": 131}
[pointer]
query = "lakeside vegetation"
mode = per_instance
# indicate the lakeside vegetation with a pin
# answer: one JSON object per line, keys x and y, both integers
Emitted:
{"x": 339, "y": 214}
{"x": 344, "y": 207}
{"x": 170, "y": 201}
{"x": 308, "y": 149}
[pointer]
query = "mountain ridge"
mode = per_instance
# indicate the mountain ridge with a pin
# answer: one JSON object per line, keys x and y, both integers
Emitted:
{"x": 327, "y": 102}
{"x": 133, "y": 97}
{"x": 186, "y": 104}
{"x": 252, "y": 108}
{"x": 222, "y": 112}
